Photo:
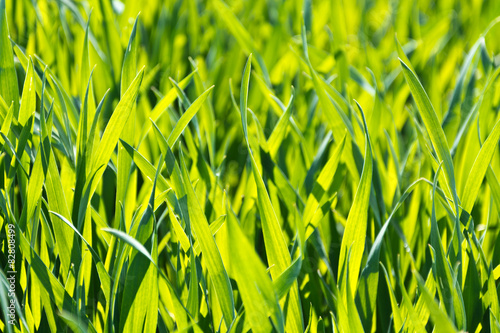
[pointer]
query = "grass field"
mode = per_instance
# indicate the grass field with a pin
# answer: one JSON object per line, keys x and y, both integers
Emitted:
{"x": 229, "y": 165}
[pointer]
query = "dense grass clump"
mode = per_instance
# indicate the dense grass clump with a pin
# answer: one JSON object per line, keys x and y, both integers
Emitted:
{"x": 229, "y": 165}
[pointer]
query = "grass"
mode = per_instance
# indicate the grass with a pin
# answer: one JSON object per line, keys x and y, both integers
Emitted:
{"x": 232, "y": 166}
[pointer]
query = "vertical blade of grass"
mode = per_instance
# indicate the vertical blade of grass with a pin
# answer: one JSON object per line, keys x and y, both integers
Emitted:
{"x": 396, "y": 311}
{"x": 450, "y": 293}
{"x": 67, "y": 246}
{"x": 479, "y": 168}
{"x": 209, "y": 250}
{"x": 192, "y": 301}
{"x": 321, "y": 186}
{"x": 276, "y": 249}
{"x": 355, "y": 230}
{"x": 8, "y": 78}
{"x": 124, "y": 177}
{"x": 28, "y": 99}
{"x": 244, "y": 95}
{"x": 87, "y": 89}
{"x": 7, "y": 121}
{"x": 279, "y": 130}
{"x": 440, "y": 144}
{"x": 254, "y": 284}
{"x": 139, "y": 306}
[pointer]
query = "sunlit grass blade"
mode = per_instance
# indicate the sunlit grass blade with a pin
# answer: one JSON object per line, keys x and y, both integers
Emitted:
{"x": 115, "y": 127}
{"x": 209, "y": 250}
{"x": 433, "y": 127}
{"x": 355, "y": 230}
{"x": 8, "y": 78}
{"x": 276, "y": 250}
{"x": 479, "y": 168}
{"x": 126, "y": 179}
{"x": 256, "y": 288}
{"x": 186, "y": 118}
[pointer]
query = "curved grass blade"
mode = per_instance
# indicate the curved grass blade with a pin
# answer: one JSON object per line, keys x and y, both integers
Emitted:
{"x": 433, "y": 127}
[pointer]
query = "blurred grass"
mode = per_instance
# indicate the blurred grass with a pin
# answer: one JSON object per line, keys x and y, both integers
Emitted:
{"x": 267, "y": 166}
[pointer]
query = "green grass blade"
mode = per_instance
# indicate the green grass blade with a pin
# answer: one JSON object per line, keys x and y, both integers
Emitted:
{"x": 115, "y": 127}
{"x": 479, "y": 168}
{"x": 209, "y": 250}
{"x": 8, "y": 78}
{"x": 355, "y": 231}
{"x": 186, "y": 117}
{"x": 433, "y": 126}
{"x": 254, "y": 284}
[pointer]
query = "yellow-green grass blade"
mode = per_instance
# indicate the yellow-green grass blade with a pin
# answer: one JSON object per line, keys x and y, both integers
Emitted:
{"x": 142, "y": 276}
{"x": 450, "y": 292}
{"x": 211, "y": 254}
{"x": 244, "y": 95}
{"x": 276, "y": 249}
{"x": 396, "y": 311}
{"x": 479, "y": 168}
{"x": 7, "y": 121}
{"x": 321, "y": 186}
{"x": 433, "y": 127}
{"x": 441, "y": 321}
{"x": 103, "y": 274}
{"x": 186, "y": 118}
{"x": 126, "y": 179}
{"x": 356, "y": 225}
{"x": 8, "y": 78}
{"x": 115, "y": 127}
{"x": 256, "y": 288}
{"x": 279, "y": 131}
{"x": 163, "y": 104}
{"x": 28, "y": 99}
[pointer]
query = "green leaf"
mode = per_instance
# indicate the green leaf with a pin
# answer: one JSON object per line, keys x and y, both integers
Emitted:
{"x": 209, "y": 250}
{"x": 357, "y": 221}
{"x": 186, "y": 117}
{"x": 28, "y": 99}
{"x": 126, "y": 180}
{"x": 479, "y": 168}
{"x": 277, "y": 253}
{"x": 279, "y": 130}
{"x": 396, "y": 311}
{"x": 163, "y": 104}
{"x": 114, "y": 128}
{"x": 254, "y": 284}
{"x": 450, "y": 292}
{"x": 130, "y": 241}
{"x": 433, "y": 127}
{"x": 321, "y": 187}
{"x": 441, "y": 321}
{"x": 9, "y": 90}
{"x": 244, "y": 94}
